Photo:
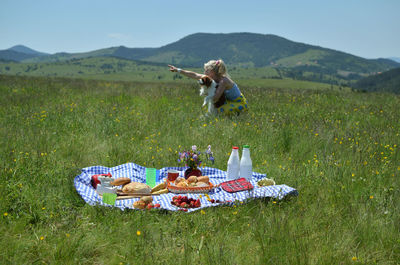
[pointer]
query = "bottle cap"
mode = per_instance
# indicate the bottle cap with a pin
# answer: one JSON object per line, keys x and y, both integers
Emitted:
{"x": 235, "y": 147}
{"x": 246, "y": 146}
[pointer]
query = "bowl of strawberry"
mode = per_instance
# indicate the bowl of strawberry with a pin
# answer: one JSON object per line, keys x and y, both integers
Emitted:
{"x": 184, "y": 202}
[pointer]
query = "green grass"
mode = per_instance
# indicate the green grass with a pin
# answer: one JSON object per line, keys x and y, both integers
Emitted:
{"x": 310, "y": 57}
{"x": 339, "y": 149}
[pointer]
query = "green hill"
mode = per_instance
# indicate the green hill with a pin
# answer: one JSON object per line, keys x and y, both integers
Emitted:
{"x": 388, "y": 81}
{"x": 14, "y": 56}
{"x": 255, "y": 50}
{"x": 240, "y": 50}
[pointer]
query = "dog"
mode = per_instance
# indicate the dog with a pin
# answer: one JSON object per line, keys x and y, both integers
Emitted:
{"x": 208, "y": 87}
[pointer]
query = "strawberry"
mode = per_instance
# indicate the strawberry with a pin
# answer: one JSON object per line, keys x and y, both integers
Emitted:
{"x": 197, "y": 203}
{"x": 183, "y": 205}
{"x": 157, "y": 205}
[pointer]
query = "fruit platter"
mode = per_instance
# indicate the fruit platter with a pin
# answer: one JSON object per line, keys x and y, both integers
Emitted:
{"x": 193, "y": 184}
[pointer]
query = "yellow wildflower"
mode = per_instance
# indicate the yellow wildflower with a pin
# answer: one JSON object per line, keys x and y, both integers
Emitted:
{"x": 138, "y": 233}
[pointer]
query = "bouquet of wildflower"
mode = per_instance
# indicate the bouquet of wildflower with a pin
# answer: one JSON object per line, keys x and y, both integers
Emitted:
{"x": 192, "y": 158}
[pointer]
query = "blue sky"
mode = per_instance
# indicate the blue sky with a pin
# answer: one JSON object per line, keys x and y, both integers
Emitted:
{"x": 366, "y": 28}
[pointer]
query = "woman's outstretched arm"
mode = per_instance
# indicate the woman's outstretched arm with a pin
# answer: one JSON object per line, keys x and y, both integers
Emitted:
{"x": 189, "y": 74}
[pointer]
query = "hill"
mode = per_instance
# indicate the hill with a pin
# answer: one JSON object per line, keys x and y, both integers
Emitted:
{"x": 239, "y": 50}
{"x": 26, "y": 50}
{"x": 388, "y": 81}
{"x": 14, "y": 56}
{"x": 258, "y": 50}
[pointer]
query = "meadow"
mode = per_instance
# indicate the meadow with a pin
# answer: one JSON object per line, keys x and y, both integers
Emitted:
{"x": 338, "y": 148}
{"x": 118, "y": 69}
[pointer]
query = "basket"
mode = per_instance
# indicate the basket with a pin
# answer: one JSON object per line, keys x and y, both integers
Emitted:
{"x": 175, "y": 189}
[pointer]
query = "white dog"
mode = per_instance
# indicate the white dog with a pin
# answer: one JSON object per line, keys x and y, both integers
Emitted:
{"x": 207, "y": 89}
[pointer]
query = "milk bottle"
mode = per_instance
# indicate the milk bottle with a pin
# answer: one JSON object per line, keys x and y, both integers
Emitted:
{"x": 246, "y": 167}
{"x": 233, "y": 164}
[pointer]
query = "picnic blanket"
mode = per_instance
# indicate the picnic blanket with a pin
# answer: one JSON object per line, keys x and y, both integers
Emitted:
{"x": 137, "y": 173}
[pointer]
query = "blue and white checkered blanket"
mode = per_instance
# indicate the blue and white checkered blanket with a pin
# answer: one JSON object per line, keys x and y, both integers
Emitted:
{"x": 138, "y": 174}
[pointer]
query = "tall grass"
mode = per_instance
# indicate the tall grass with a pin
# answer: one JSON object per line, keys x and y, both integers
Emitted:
{"x": 339, "y": 149}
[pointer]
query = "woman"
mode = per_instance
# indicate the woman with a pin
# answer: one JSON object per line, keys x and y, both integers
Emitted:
{"x": 235, "y": 101}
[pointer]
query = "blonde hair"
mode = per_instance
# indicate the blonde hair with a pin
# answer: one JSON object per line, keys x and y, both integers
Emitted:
{"x": 217, "y": 66}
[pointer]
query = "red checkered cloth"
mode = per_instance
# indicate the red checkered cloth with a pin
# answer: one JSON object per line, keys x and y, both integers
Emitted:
{"x": 236, "y": 185}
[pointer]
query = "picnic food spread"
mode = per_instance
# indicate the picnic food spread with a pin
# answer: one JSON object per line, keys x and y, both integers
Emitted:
{"x": 211, "y": 196}
{"x": 134, "y": 186}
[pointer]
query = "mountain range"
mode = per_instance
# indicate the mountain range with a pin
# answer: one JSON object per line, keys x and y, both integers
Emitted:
{"x": 236, "y": 49}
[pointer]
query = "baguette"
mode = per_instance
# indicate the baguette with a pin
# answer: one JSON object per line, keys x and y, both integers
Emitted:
{"x": 159, "y": 187}
{"x": 163, "y": 191}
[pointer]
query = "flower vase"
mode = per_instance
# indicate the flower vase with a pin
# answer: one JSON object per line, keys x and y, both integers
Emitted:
{"x": 192, "y": 172}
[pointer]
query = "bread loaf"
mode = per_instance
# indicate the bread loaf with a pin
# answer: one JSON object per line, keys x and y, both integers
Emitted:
{"x": 201, "y": 184}
{"x": 139, "y": 204}
{"x": 120, "y": 181}
{"x": 182, "y": 184}
{"x": 136, "y": 187}
{"x": 179, "y": 179}
{"x": 147, "y": 199}
{"x": 192, "y": 179}
{"x": 204, "y": 179}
